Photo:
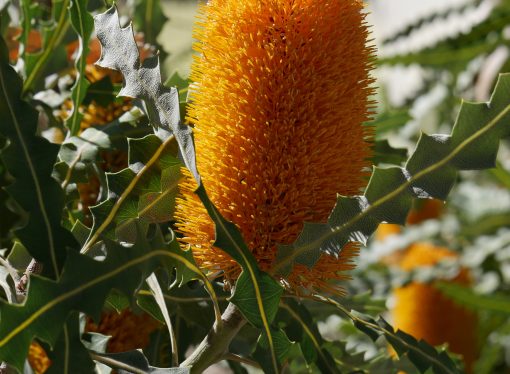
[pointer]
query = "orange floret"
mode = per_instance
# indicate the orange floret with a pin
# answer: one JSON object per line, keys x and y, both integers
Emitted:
{"x": 422, "y": 311}
{"x": 128, "y": 330}
{"x": 280, "y": 96}
{"x": 38, "y": 359}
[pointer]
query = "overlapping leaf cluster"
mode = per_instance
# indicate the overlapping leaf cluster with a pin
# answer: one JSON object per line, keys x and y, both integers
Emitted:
{"x": 131, "y": 236}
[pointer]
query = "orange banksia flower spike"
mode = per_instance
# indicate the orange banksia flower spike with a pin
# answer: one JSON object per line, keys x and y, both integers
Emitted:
{"x": 278, "y": 105}
{"x": 424, "y": 312}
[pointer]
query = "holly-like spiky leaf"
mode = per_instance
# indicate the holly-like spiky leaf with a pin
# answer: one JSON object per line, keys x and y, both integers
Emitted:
{"x": 49, "y": 302}
{"x": 142, "y": 194}
{"x": 301, "y": 328}
{"x": 420, "y": 353}
{"x": 430, "y": 172}
{"x": 29, "y": 159}
{"x": 83, "y": 24}
{"x": 256, "y": 294}
{"x": 69, "y": 354}
{"x": 263, "y": 351}
{"x": 142, "y": 80}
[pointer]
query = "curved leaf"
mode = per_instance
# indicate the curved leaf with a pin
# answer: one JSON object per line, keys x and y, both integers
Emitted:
{"x": 420, "y": 353}
{"x": 52, "y": 34}
{"x": 83, "y": 24}
{"x": 29, "y": 159}
{"x": 430, "y": 172}
{"x": 305, "y": 331}
{"x": 470, "y": 299}
{"x": 144, "y": 192}
{"x": 143, "y": 81}
{"x": 49, "y": 302}
{"x": 134, "y": 362}
{"x": 256, "y": 294}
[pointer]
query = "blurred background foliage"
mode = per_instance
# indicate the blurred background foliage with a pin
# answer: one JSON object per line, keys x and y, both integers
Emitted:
{"x": 451, "y": 263}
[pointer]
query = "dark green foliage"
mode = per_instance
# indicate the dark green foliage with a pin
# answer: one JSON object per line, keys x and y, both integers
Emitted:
{"x": 29, "y": 159}
{"x": 83, "y": 24}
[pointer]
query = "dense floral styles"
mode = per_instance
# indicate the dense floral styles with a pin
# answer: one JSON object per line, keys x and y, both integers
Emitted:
{"x": 278, "y": 107}
{"x": 128, "y": 330}
{"x": 424, "y": 312}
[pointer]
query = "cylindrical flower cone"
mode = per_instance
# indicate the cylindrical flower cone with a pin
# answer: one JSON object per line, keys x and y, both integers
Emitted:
{"x": 278, "y": 105}
{"x": 424, "y": 312}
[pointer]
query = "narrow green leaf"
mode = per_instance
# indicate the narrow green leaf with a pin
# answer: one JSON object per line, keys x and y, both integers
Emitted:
{"x": 389, "y": 121}
{"x": 256, "y": 293}
{"x": 149, "y": 18}
{"x": 430, "y": 172}
{"x": 48, "y": 302}
{"x": 133, "y": 192}
{"x": 421, "y": 354}
{"x": 143, "y": 81}
{"x": 69, "y": 355}
{"x": 263, "y": 351}
{"x": 302, "y": 328}
{"x": 83, "y": 24}
{"x": 52, "y": 34}
{"x": 29, "y": 159}
{"x": 467, "y": 297}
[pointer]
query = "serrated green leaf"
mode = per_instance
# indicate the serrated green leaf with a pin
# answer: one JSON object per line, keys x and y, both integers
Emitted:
{"x": 244, "y": 298}
{"x": 127, "y": 201}
{"x": 83, "y": 24}
{"x": 308, "y": 336}
{"x": 69, "y": 355}
{"x": 49, "y": 302}
{"x": 256, "y": 293}
{"x": 421, "y": 354}
{"x": 429, "y": 173}
{"x": 143, "y": 81}
{"x": 29, "y": 159}
{"x": 263, "y": 351}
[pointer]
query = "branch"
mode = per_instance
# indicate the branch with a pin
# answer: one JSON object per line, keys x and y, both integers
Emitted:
{"x": 215, "y": 345}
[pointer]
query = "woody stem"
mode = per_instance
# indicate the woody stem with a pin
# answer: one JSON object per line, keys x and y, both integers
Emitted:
{"x": 215, "y": 345}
